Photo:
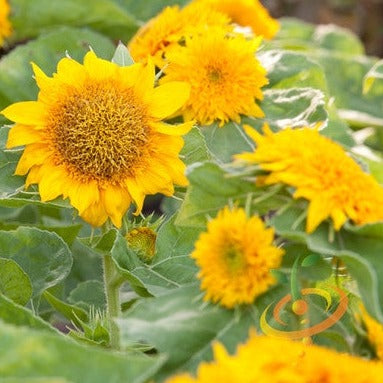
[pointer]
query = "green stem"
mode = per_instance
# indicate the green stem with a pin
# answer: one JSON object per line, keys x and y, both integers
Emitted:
{"x": 112, "y": 282}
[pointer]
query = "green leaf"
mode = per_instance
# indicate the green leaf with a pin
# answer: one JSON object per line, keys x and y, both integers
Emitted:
{"x": 43, "y": 255}
{"x": 41, "y": 354}
{"x": 34, "y": 380}
{"x": 122, "y": 56}
{"x": 75, "y": 314}
{"x": 16, "y": 76}
{"x": 211, "y": 188}
{"x": 361, "y": 254}
{"x": 14, "y": 282}
{"x": 181, "y": 325}
{"x": 371, "y": 77}
{"x": 12, "y": 313}
{"x": 31, "y": 18}
{"x": 87, "y": 294}
{"x": 195, "y": 149}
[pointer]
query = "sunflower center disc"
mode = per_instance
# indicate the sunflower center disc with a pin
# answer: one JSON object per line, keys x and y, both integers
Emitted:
{"x": 100, "y": 131}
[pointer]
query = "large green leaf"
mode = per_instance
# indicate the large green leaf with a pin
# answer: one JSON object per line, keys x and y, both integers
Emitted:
{"x": 12, "y": 313}
{"x": 30, "y": 18}
{"x": 43, "y": 255}
{"x": 14, "y": 282}
{"x": 41, "y": 354}
{"x": 211, "y": 188}
{"x": 181, "y": 325}
{"x": 195, "y": 149}
{"x": 16, "y": 81}
{"x": 361, "y": 252}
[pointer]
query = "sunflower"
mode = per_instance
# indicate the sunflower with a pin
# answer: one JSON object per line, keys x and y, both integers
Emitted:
{"x": 275, "y": 360}
{"x": 247, "y": 13}
{"x": 235, "y": 256}
{"x": 163, "y": 32}
{"x": 95, "y": 135}
{"x": 224, "y": 74}
{"x": 321, "y": 172}
{"x": 5, "y": 25}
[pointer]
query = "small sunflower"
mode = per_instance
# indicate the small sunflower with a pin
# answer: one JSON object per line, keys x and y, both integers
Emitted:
{"x": 96, "y": 136}
{"x": 247, "y": 13}
{"x": 165, "y": 31}
{"x": 235, "y": 257}
{"x": 321, "y": 172}
{"x": 224, "y": 74}
{"x": 276, "y": 360}
{"x": 5, "y": 25}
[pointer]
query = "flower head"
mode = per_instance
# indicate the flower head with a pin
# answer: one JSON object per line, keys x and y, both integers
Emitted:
{"x": 224, "y": 74}
{"x": 5, "y": 25}
{"x": 247, "y": 13}
{"x": 95, "y": 135}
{"x": 235, "y": 256}
{"x": 261, "y": 360}
{"x": 164, "y": 32}
{"x": 321, "y": 172}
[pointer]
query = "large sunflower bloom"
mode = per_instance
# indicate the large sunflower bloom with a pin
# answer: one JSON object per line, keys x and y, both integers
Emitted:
{"x": 95, "y": 135}
{"x": 224, "y": 74}
{"x": 5, "y": 25}
{"x": 275, "y": 360}
{"x": 235, "y": 257}
{"x": 164, "y": 32}
{"x": 247, "y": 13}
{"x": 321, "y": 172}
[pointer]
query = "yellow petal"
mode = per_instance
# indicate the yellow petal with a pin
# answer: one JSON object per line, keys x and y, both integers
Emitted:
{"x": 173, "y": 130}
{"x": 69, "y": 71}
{"x": 82, "y": 195}
{"x": 144, "y": 81}
{"x": 52, "y": 182}
{"x": 136, "y": 193}
{"x": 23, "y": 135}
{"x": 317, "y": 212}
{"x": 33, "y": 154}
{"x": 42, "y": 80}
{"x": 168, "y": 98}
{"x": 95, "y": 214}
{"x": 339, "y": 218}
{"x": 26, "y": 112}
{"x": 99, "y": 69}
{"x": 252, "y": 132}
{"x": 116, "y": 202}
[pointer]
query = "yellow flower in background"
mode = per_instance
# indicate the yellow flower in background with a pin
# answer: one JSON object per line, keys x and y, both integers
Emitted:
{"x": 276, "y": 360}
{"x": 224, "y": 74}
{"x": 247, "y": 13}
{"x": 235, "y": 257}
{"x": 5, "y": 25}
{"x": 321, "y": 171}
{"x": 374, "y": 333}
{"x": 96, "y": 136}
{"x": 163, "y": 32}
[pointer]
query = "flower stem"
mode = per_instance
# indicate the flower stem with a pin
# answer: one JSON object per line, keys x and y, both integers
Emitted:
{"x": 112, "y": 282}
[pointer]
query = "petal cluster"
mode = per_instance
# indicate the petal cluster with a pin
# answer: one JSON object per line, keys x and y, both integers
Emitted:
{"x": 321, "y": 172}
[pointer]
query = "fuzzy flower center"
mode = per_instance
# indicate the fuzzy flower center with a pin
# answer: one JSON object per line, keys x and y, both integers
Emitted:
{"x": 234, "y": 258}
{"x": 99, "y": 131}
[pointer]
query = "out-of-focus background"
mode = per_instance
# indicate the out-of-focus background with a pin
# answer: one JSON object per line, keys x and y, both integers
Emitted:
{"x": 364, "y": 17}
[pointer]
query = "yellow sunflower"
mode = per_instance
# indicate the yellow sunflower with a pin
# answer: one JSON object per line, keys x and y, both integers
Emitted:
{"x": 5, "y": 25}
{"x": 321, "y": 172}
{"x": 235, "y": 257}
{"x": 247, "y": 13}
{"x": 224, "y": 74}
{"x": 163, "y": 32}
{"x": 95, "y": 135}
{"x": 374, "y": 333}
{"x": 275, "y": 360}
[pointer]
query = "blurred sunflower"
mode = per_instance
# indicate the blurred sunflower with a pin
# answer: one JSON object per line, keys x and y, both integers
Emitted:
{"x": 247, "y": 13}
{"x": 235, "y": 257}
{"x": 165, "y": 31}
{"x": 321, "y": 172}
{"x": 5, "y": 25}
{"x": 95, "y": 135}
{"x": 225, "y": 76}
{"x": 275, "y": 360}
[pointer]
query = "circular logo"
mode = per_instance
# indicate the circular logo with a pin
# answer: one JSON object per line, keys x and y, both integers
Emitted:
{"x": 300, "y": 307}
